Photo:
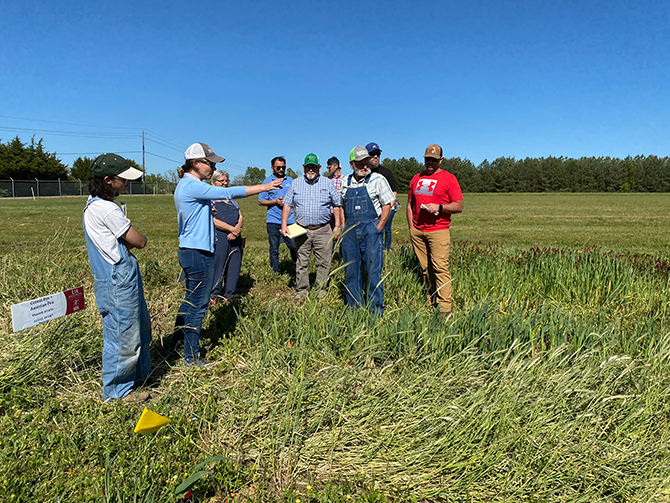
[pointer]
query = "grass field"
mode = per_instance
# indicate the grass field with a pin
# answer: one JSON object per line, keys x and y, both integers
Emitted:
{"x": 550, "y": 383}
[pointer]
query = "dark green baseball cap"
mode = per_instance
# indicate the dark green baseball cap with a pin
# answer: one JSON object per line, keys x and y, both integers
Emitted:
{"x": 114, "y": 165}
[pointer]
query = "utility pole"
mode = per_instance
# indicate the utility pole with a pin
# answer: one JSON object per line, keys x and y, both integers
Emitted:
{"x": 144, "y": 169}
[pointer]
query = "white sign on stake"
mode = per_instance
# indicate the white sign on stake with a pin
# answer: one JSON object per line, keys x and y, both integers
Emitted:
{"x": 33, "y": 312}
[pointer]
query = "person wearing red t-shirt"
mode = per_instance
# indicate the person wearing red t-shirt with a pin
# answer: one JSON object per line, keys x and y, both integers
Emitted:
{"x": 434, "y": 195}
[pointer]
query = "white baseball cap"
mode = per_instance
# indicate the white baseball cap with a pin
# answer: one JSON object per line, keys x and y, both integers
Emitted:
{"x": 202, "y": 151}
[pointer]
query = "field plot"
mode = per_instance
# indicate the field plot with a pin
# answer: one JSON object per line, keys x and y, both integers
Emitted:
{"x": 550, "y": 383}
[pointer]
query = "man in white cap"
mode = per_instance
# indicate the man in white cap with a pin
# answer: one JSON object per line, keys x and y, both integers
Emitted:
{"x": 366, "y": 202}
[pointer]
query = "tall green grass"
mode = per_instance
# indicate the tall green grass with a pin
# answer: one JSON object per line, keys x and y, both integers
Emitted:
{"x": 550, "y": 383}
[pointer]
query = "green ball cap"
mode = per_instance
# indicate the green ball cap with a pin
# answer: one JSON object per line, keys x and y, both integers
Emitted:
{"x": 114, "y": 165}
{"x": 311, "y": 159}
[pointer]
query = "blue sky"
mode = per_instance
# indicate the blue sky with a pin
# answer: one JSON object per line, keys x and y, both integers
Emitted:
{"x": 483, "y": 79}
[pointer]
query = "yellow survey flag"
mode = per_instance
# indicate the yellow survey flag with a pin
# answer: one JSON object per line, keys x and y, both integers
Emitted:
{"x": 150, "y": 422}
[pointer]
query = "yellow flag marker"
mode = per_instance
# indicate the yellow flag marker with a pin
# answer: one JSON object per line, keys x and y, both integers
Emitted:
{"x": 150, "y": 422}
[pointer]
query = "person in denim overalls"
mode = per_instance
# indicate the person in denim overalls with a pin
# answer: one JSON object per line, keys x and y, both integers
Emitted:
{"x": 126, "y": 325}
{"x": 367, "y": 199}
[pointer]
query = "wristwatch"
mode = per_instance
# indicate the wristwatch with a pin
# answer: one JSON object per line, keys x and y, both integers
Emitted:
{"x": 441, "y": 207}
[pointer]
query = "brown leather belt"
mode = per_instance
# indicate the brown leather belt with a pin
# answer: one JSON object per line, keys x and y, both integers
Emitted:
{"x": 314, "y": 227}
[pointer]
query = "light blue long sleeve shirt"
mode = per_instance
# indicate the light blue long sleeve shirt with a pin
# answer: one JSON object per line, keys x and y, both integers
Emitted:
{"x": 193, "y": 200}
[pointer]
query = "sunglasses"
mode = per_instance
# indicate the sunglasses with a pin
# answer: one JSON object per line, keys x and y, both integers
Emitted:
{"x": 431, "y": 160}
{"x": 209, "y": 163}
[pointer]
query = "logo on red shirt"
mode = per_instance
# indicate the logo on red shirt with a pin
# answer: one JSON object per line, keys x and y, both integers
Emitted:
{"x": 425, "y": 187}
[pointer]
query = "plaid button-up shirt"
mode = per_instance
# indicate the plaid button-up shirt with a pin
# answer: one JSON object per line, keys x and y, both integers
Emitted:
{"x": 312, "y": 202}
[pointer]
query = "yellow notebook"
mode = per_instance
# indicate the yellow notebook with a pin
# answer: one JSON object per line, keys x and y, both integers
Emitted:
{"x": 295, "y": 230}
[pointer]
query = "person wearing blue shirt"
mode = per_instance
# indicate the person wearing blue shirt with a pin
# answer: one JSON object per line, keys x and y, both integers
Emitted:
{"x": 193, "y": 200}
{"x": 313, "y": 198}
{"x": 273, "y": 200}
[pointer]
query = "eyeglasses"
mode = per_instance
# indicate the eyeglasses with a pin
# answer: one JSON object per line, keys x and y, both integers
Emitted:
{"x": 431, "y": 160}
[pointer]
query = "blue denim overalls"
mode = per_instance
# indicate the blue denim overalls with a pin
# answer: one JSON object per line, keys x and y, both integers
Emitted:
{"x": 126, "y": 325}
{"x": 362, "y": 241}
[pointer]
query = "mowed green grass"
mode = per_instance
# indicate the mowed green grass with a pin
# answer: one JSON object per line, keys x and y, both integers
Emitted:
{"x": 550, "y": 383}
{"x": 638, "y": 223}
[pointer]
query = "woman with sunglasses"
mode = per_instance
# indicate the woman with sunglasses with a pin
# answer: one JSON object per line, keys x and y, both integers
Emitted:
{"x": 193, "y": 199}
{"x": 229, "y": 245}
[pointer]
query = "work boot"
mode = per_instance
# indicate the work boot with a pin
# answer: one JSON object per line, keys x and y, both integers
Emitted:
{"x": 136, "y": 397}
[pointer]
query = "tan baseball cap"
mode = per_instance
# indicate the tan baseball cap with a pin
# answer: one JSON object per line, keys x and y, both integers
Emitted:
{"x": 434, "y": 151}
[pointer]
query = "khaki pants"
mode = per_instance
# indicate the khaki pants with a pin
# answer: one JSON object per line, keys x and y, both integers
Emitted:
{"x": 432, "y": 250}
{"x": 319, "y": 241}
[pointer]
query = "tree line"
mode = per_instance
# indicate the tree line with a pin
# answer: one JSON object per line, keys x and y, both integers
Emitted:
{"x": 25, "y": 161}
{"x": 548, "y": 174}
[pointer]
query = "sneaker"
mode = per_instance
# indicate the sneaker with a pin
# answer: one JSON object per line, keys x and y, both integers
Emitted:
{"x": 136, "y": 397}
{"x": 197, "y": 361}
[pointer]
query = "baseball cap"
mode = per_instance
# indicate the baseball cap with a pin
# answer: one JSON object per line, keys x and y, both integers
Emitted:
{"x": 311, "y": 159}
{"x": 202, "y": 151}
{"x": 372, "y": 146}
{"x": 434, "y": 151}
{"x": 114, "y": 165}
{"x": 358, "y": 154}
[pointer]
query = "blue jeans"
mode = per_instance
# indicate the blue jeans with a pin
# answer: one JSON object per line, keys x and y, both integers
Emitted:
{"x": 363, "y": 243}
{"x": 275, "y": 238}
{"x": 387, "y": 232}
{"x": 198, "y": 266}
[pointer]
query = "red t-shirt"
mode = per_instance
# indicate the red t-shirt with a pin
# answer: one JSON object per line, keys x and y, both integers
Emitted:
{"x": 441, "y": 188}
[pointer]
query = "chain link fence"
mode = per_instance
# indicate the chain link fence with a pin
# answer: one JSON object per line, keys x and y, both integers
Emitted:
{"x": 56, "y": 188}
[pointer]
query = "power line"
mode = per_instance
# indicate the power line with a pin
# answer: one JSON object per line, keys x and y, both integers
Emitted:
{"x": 166, "y": 158}
{"x": 165, "y": 139}
{"x": 60, "y": 122}
{"x": 80, "y": 134}
{"x": 163, "y": 144}
{"x": 99, "y": 152}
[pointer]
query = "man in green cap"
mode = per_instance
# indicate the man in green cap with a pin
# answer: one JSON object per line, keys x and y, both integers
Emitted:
{"x": 312, "y": 198}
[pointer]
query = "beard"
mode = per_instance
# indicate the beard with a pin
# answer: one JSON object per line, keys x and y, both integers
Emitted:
{"x": 374, "y": 164}
{"x": 363, "y": 172}
{"x": 311, "y": 175}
